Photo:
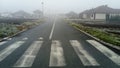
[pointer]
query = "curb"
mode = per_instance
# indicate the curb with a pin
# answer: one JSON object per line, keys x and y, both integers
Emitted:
{"x": 113, "y": 47}
{"x": 13, "y": 35}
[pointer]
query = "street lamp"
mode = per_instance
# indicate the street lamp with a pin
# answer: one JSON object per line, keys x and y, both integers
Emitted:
{"x": 42, "y": 8}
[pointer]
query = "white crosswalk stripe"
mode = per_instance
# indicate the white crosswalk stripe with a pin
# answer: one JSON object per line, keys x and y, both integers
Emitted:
{"x": 28, "y": 57}
{"x": 57, "y": 58}
{"x": 25, "y": 38}
{"x": 107, "y": 52}
{"x": 41, "y": 38}
{"x": 10, "y": 39}
{"x": 1, "y": 43}
{"x": 7, "y": 51}
{"x": 84, "y": 56}
{"x": 57, "y": 55}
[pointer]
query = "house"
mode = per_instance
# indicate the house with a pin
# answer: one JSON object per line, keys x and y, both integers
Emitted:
{"x": 21, "y": 14}
{"x": 100, "y": 13}
{"x": 6, "y": 15}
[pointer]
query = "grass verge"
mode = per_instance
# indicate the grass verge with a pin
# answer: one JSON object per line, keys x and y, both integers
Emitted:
{"x": 100, "y": 34}
{"x": 7, "y": 29}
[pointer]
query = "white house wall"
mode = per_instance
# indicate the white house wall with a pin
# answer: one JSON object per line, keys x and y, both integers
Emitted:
{"x": 100, "y": 16}
{"x": 84, "y": 16}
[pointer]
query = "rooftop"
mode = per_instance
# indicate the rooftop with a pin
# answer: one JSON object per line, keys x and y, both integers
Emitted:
{"x": 102, "y": 9}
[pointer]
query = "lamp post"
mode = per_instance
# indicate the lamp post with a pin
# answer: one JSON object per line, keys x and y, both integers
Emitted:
{"x": 42, "y": 8}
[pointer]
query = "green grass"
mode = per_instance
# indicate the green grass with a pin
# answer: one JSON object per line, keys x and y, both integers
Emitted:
{"x": 10, "y": 29}
{"x": 102, "y": 35}
{"x": 7, "y": 30}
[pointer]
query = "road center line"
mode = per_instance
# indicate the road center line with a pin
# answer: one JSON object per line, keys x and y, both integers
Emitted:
{"x": 50, "y": 37}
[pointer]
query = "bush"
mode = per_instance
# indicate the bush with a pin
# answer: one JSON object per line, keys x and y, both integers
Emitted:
{"x": 7, "y": 30}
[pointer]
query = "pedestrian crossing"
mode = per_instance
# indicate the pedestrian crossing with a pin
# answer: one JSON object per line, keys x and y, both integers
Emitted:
{"x": 25, "y": 38}
{"x": 7, "y": 51}
{"x": 107, "y": 52}
{"x": 57, "y": 55}
{"x": 1, "y": 43}
{"x": 28, "y": 57}
{"x": 84, "y": 56}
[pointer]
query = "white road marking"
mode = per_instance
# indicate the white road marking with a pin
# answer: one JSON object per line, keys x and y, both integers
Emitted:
{"x": 7, "y": 51}
{"x": 85, "y": 57}
{"x": 5, "y": 38}
{"x": 1, "y": 43}
{"x": 107, "y": 52}
{"x": 50, "y": 37}
{"x": 25, "y": 38}
{"x": 56, "y": 55}
{"x": 10, "y": 39}
{"x": 27, "y": 59}
{"x": 41, "y": 38}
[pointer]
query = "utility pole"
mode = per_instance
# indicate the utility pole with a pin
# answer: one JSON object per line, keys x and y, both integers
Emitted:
{"x": 42, "y": 8}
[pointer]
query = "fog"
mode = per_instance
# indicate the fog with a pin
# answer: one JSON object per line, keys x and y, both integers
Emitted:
{"x": 54, "y": 6}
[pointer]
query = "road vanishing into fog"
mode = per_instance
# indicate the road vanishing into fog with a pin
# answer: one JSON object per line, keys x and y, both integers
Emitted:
{"x": 55, "y": 44}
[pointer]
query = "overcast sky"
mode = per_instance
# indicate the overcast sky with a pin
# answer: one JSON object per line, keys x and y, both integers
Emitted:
{"x": 55, "y": 6}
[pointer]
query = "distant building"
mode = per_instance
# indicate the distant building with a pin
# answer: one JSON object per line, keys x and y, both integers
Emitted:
{"x": 6, "y": 14}
{"x": 100, "y": 13}
{"x": 21, "y": 14}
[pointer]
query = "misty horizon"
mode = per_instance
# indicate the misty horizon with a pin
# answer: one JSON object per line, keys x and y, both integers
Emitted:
{"x": 54, "y": 6}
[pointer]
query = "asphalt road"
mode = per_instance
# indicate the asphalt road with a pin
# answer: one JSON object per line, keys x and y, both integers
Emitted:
{"x": 55, "y": 44}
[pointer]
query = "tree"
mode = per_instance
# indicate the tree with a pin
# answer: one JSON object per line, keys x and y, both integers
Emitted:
{"x": 37, "y": 13}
